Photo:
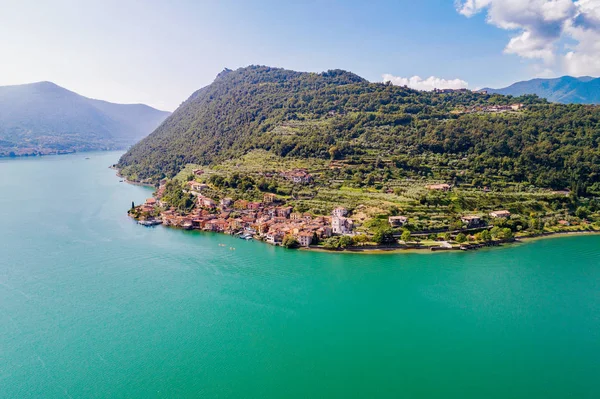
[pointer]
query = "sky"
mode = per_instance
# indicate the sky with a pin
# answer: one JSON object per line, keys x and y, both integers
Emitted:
{"x": 158, "y": 53}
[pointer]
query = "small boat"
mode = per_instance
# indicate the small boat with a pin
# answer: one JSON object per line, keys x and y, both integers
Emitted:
{"x": 87, "y": 157}
{"x": 246, "y": 236}
{"x": 149, "y": 223}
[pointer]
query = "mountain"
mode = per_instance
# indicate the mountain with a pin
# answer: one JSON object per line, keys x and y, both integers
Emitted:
{"x": 458, "y": 136}
{"x": 566, "y": 90}
{"x": 46, "y": 118}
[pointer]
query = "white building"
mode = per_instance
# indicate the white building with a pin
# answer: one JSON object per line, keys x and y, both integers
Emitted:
{"x": 341, "y": 225}
{"x": 397, "y": 221}
{"x": 500, "y": 214}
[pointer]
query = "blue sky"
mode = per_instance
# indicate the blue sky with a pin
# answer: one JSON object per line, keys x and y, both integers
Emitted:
{"x": 158, "y": 53}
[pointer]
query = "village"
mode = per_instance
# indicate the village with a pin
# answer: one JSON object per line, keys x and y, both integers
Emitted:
{"x": 270, "y": 220}
{"x": 275, "y": 222}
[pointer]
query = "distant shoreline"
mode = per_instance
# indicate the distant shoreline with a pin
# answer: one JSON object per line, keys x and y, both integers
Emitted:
{"x": 135, "y": 183}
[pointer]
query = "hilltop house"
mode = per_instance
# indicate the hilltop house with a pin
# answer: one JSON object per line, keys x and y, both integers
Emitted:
{"x": 206, "y": 202}
{"x": 471, "y": 220}
{"x": 439, "y": 187}
{"x": 298, "y": 176}
{"x": 397, "y": 221}
{"x": 195, "y": 186}
{"x": 500, "y": 214}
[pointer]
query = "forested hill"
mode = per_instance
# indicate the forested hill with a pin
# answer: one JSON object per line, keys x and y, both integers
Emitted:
{"x": 337, "y": 114}
{"x": 45, "y": 118}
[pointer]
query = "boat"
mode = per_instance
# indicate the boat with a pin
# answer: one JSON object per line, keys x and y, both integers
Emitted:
{"x": 246, "y": 236}
{"x": 149, "y": 223}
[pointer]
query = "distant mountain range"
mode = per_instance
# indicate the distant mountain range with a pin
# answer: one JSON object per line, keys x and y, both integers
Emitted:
{"x": 567, "y": 89}
{"x": 43, "y": 118}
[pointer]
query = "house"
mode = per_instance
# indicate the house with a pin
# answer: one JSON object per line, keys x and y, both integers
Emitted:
{"x": 147, "y": 208}
{"x": 471, "y": 220}
{"x": 206, "y": 202}
{"x": 195, "y": 186}
{"x": 341, "y": 225}
{"x": 295, "y": 216}
{"x": 298, "y": 176}
{"x": 253, "y": 205}
{"x": 225, "y": 202}
{"x": 236, "y": 224}
{"x": 564, "y": 223}
{"x": 324, "y": 232}
{"x": 339, "y": 212}
{"x": 439, "y": 187}
{"x": 516, "y": 107}
{"x": 198, "y": 172}
{"x": 284, "y": 212}
{"x": 263, "y": 228}
{"x": 219, "y": 224}
{"x": 500, "y": 214}
{"x": 397, "y": 221}
{"x": 151, "y": 201}
{"x": 304, "y": 238}
{"x": 269, "y": 198}
{"x": 275, "y": 237}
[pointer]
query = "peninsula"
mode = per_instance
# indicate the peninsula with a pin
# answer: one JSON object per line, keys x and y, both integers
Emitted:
{"x": 330, "y": 160}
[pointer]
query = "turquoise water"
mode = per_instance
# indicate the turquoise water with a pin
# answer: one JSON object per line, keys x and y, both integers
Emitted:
{"x": 94, "y": 306}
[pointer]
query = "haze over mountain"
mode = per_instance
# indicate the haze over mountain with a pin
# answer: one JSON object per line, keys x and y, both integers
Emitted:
{"x": 566, "y": 89}
{"x": 40, "y": 118}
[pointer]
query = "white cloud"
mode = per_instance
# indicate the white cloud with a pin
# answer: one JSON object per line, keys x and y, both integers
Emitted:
{"x": 543, "y": 28}
{"x": 432, "y": 82}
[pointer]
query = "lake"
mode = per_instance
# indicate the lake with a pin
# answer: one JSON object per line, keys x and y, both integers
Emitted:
{"x": 94, "y": 306}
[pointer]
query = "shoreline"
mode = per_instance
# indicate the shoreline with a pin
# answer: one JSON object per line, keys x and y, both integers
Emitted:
{"x": 135, "y": 183}
{"x": 416, "y": 250}
{"x": 394, "y": 249}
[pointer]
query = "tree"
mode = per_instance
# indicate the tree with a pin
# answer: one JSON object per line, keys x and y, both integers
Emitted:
{"x": 405, "y": 236}
{"x": 582, "y": 212}
{"x": 506, "y": 234}
{"x": 486, "y": 235}
{"x": 331, "y": 243}
{"x": 290, "y": 242}
{"x": 495, "y": 231}
{"x": 315, "y": 239}
{"x": 334, "y": 152}
{"x": 460, "y": 238}
{"x": 360, "y": 239}
{"x": 345, "y": 241}
{"x": 384, "y": 236}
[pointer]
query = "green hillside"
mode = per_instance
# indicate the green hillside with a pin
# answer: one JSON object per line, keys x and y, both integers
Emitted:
{"x": 378, "y": 131}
